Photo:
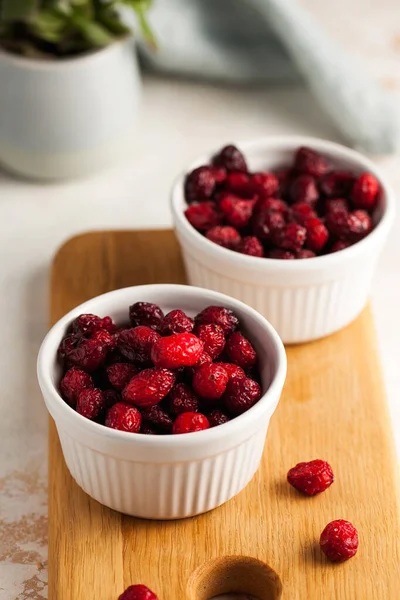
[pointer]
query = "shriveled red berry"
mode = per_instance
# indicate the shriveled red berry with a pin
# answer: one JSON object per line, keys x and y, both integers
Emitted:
{"x": 240, "y": 350}
{"x": 176, "y": 321}
{"x": 147, "y": 429}
{"x": 231, "y": 159}
{"x": 68, "y": 343}
{"x": 301, "y": 211}
{"x": 217, "y": 417}
{"x": 350, "y": 227}
{"x": 120, "y": 374}
{"x": 238, "y": 183}
{"x": 90, "y": 403}
{"x": 312, "y": 477}
{"x": 310, "y": 162}
{"x": 145, "y": 313}
{"x": 336, "y": 204}
{"x": 136, "y": 343}
{"x": 111, "y": 397}
{"x": 138, "y": 592}
{"x": 74, "y": 381}
{"x": 88, "y": 324}
{"x": 340, "y": 245}
{"x": 157, "y": 418}
{"x": 149, "y": 387}
{"x": 317, "y": 234}
{"x": 90, "y": 353}
{"x": 266, "y": 223}
{"x": 336, "y": 183}
{"x": 203, "y": 216}
{"x": 251, "y": 246}
{"x": 285, "y": 176}
{"x": 177, "y": 350}
{"x": 272, "y": 204}
{"x": 200, "y": 184}
{"x": 183, "y": 399}
{"x": 188, "y": 422}
{"x": 204, "y": 359}
{"x": 304, "y": 189}
{"x": 304, "y": 253}
{"x": 233, "y": 370}
{"x": 365, "y": 191}
{"x": 225, "y": 236}
{"x": 265, "y": 184}
{"x": 339, "y": 540}
{"x": 124, "y": 417}
{"x": 210, "y": 381}
{"x": 291, "y": 237}
{"x": 213, "y": 338}
{"x": 241, "y": 394}
{"x": 279, "y": 253}
{"x": 220, "y": 315}
{"x": 236, "y": 211}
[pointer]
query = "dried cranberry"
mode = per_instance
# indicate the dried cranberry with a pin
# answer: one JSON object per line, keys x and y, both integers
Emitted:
{"x": 304, "y": 253}
{"x": 90, "y": 353}
{"x": 365, "y": 191}
{"x": 203, "y": 216}
{"x": 340, "y": 245}
{"x": 236, "y": 211}
{"x": 304, "y": 189}
{"x": 189, "y": 422}
{"x": 213, "y": 338}
{"x": 124, "y": 417}
{"x": 251, "y": 246}
{"x": 339, "y": 540}
{"x": 301, "y": 211}
{"x": 147, "y": 429}
{"x": 136, "y": 343}
{"x": 265, "y": 184}
{"x": 200, "y": 184}
{"x": 88, "y": 324}
{"x": 279, "y": 253}
{"x": 272, "y": 204}
{"x": 120, "y": 374}
{"x": 336, "y": 204}
{"x": 68, "y": 343}
{"x": 183, "y": 399}
{"x": 149, "y": 387}
{"x": 285, "y": 177}
{"x": 157, "y": 418}
{"x": 317, "y": 234}
{"x": 90, "y": 403}
{"x": 233, "y": 370}
{"x": 176, "y": 321}
{"x": 310, "y": 162}
{"x": 240, "y": 395}
{"x": 210, "y": 381}
{"x": 266, "y": 223}
{"x": 240, "y": 350}
{"x": 312, "y": 477}
{"x": 217, "y": 417}
{"x": 177, "y": 350}
{"x": 231, "y": 159}
{"x": 350, "y": 227}
{"x": 291, "y": 237}
{"x": 111, "y": 397}
{"x": 238, "y": 183}
{"x": 145, "y": 313}
{"x": 74, "y": 381}
{"x": 223, "y": 317}
{"x": 138, "y": 592}
{"x": 336, "y": 183}
{"x": 225, "y": 236}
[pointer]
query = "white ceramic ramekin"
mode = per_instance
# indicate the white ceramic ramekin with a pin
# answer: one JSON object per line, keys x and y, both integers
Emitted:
{"x": 303, "y": 299}
{"x": 164, "y": 477}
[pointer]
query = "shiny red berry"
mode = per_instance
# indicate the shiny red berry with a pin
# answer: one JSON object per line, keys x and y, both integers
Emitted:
{"x": 317, "y": 234}
{"x": 240, "y": 350}
{"x": 74, "y": 381}
{"x": 138, "y": 592}
{"x": 301, "y": 211}
{"x": 265, "y": 184}
{"x": 365, "y": 192}
{"x": 219, "y": 315}
{"x": 188, "y": 422}
{"x": 90, "y": 403}
{"x": 203, "y": 216}
{"x": 241, "y": 395}
{"x": 210, "y": 381}
{"x": 312, "y": 477}
{"x": 272, "y": 204}
{"x": 176, "y": 321}
{"x": 231, "y": 159}
{"x": 339, "y": 540}
{"x": 251, "y": 246}
{"x": 217, "y": 417}
{"x": 304, "y": 189}
{"x": 238, "y": 183}
{"x": 183, "y": 399}
{"x": 120, "y": 374}
{"x": 291, "y": 237}
{"x": 336, "y": 183}
{"x": 145, "y": 313}
{"x": 233, "y": 370}
{"x": 236, "y": 211}
{"x": 201, "y": 183}
{"x": 149, "y": 387}
{"x": 213, "y": 338}
{"x": 225, "y": 236}
{"x": 310, "y": 162}
{"x": 90, "y": 353}
{"x": 177, "y": 350}
{"x": 136, "y": 343}
{"x": 124, "y": 417}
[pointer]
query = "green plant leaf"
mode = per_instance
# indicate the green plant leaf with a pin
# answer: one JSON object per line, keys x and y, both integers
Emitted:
{"x": 94, "y": 33}
{"x": 17, "y": 10}
{"x": 48, "y": 25}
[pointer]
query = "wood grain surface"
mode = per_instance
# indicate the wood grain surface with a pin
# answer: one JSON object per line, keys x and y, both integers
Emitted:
{"x": 333, "y": 407}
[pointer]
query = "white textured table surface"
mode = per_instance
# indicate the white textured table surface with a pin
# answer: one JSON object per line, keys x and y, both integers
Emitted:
{"x": 178, "y": 121}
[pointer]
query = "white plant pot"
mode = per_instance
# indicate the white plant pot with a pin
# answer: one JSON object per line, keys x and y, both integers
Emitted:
{"x": 65, "y": 118}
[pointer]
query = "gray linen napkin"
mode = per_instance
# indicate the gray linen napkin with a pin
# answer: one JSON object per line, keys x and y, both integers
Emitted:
{"x": 273, "y": 41}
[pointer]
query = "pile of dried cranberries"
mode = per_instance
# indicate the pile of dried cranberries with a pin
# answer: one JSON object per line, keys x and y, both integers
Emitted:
{"x": 301, "y": 211}
{"x": 160, "y": 374}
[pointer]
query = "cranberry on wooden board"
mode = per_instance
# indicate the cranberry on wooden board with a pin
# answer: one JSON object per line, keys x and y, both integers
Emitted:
{"x": 138, "y": 592}
{"x": 339, "y": 540}
{"x": 312, "y": 477}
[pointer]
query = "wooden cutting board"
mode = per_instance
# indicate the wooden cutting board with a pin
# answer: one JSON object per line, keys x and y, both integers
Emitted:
{"x": 333, "y": 407}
